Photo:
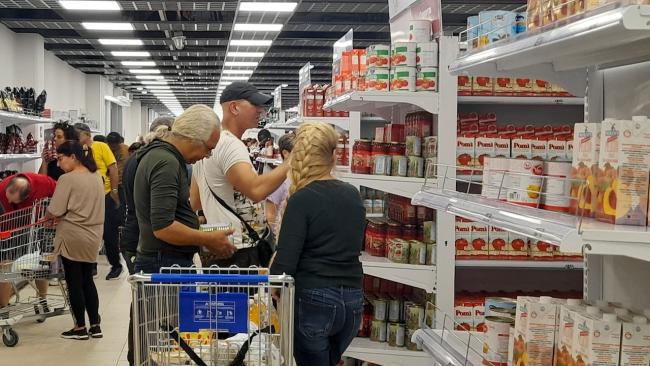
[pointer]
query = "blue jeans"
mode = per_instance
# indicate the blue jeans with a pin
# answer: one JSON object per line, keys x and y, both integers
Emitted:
{"x": 325, "y": 322}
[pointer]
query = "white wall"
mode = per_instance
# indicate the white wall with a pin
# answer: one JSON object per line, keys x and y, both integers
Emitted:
{"x": 7, "y": 42}
{"x": 66, "y": 86}
{"x": 131, "y": 124}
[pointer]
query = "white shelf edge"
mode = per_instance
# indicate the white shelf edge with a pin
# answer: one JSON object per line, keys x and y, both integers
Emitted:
{"x": 525, "y": 264}
{"x": 450, "y": 348}
{"x": 370, "y": 101}
{"x": 18, "y": 157}
{"x": 374, "y": 215}
{"x": 18, "y": 118}
{"x": 381, "y": 353}
{"x": 517, "y": 100}
{"x": 402, "y": 186}
{"x": 416, "y": 275}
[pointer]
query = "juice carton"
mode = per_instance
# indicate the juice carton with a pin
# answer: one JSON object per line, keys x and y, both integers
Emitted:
{"x": 563, "y": 355}
{"x": 635, "y": 343}
{"x": 465, "y": 153}
{"x": 517, "y": 246}
{"x": 597, "y": 340}
{"x": 463, "y": 237}
{"x": 538, "y": 148}
{"x": 482, "y": 85}
{"x": 498, "y": 248}
{"x": 535, "y": 325}
{"x": 521, "y": 147}
{"x": 622, "y": 178}
{"x": 484, "y": 147}
{"x": 586, "y": 139}
{"x": 480, "y": 236}
{"x": 464, "y": 85}
{"x": 569, "y": 148}
{"x": 556, "y": 149}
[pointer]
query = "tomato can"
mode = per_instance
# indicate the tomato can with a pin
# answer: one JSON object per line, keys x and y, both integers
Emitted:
{"x": 403, "y": 54}
{"x": 426, "y": 54}
{"x": 403, "y": 78}
{"x": 375, "y": 238}
{"x": 414, "y": 316}
{"x": 431, "y": 167}
{"x": 495, "y": 348}
{"x": 417, "y": 252}
{"x": 430, "y": 147}
{"x": 396, "y": 335}
{"x": 361, "y": 151}
{"x": 367, "y": 204}
{"x": 399, "y": 166}
{"x": 395, "y": 310}
{"x": 378, "y": 206}
{"x": 427, "y": 79}
{"x": 380, "y": 307}
{"x": 413, "y": 146}
{"x": 378, "y": 79}
{"x": 410, "y": 345}
{"x": 525, "y": 181}
{"x": 416, "y": 167}
{"x": 378, "y": 331}
{"x": 394, "y": 230}
{"x": 378, "y": 55}
{"x": 557, "y": 188}
{"x": 430, "y": 316}
{"x": 410, "y": 232}
{"x": 431, "y": 254}
{"x": 420, "y": 30}
{"x": 398, "y": 251}
{"x": 495, "y": 178}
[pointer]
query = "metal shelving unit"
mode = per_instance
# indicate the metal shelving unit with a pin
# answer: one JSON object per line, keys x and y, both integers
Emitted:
{"x": 416, "y": 275}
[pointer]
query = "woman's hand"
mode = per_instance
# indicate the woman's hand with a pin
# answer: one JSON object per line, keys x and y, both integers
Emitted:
{"x": 276, "y": 293}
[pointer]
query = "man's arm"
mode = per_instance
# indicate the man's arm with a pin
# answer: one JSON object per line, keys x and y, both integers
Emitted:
{"x": 215, "y": 241}
{"x": 114, "y": 179}
{"x": 195, "y": 197}
{"x": 256, "y": 187}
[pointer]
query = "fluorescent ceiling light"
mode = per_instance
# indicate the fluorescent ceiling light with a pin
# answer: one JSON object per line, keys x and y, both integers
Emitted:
{"x": 151, "y": 77}
{"x": 144, "y": 71}
{"x": 241, "y": 63}
{"x": 108, "y": 26}
{"x": 276, "y": 7}
{"x": 224, "y": 83}
{"x": 158, "y": 87}
{"x": 251, "y": 27}
{"x": 120, "y": 42}
{"x": 235, "y": 77}
{"x": 237, "y": 71}
{"x": 251, "y": 42}
{"x": 138, "y": 63}
{"x": 130, "y": 53}
{"x": 245, "y": 54}
{"x": 89, "y": 5}
{"x": 156, "y": 82}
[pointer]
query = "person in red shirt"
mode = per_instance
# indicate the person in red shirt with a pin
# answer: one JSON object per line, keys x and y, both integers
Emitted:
{"x": 21, "y": 191}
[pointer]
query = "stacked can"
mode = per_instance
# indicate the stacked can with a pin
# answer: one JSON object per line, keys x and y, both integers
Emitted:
{"x": 378, "y": 67}
{"x": 427, "y": 66}
{"x": 403, "y": 71}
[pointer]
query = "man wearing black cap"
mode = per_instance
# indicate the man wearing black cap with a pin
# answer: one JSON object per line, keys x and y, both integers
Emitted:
{"x": 229, "y": 173}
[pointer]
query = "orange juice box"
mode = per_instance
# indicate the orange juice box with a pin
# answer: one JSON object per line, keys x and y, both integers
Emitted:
{"x": 635, "y": 343}
{"x": 563, "y": 355}
{"x": 586, "y": 142}
{"x": 597, "y": 339}
{"x": 535, "y": 326}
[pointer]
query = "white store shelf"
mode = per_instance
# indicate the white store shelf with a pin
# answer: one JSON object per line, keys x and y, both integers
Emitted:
{"x": 16, "y": 158}
{"x": 402, "y": 186}
{"x": 605, "y": 38}
{"x": 416, "y": 275}
{"x": 22, "y": 119}
{"x": 374, "y": 215}
{"x": 521, "y": 100}
{"x": 371, "y": 101}
{"x": 451, "y": 347}
{"x": 526, "y": 264}
{"x": 381, "y": 353}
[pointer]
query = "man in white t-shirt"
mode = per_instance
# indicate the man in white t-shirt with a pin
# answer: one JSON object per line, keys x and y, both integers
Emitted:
{"x": 229, "y": 173}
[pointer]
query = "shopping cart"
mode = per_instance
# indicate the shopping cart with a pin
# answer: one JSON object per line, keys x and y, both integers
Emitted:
{"x": 212, "y": 316}
{"x": 26, "y": 246}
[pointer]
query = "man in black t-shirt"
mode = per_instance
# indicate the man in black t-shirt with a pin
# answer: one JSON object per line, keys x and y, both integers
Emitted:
{"x": 62, "y": 132}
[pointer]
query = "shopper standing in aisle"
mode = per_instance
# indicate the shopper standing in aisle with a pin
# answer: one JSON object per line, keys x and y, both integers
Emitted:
{"x": 17, "y": 192}
{"x": 61, "y": 132}
{"x": 320, "y": 242}
{"x": 77, "y": 207}
{"x": 107, "y": 168}
{"x": 168, "y": 227}
{"x": 273, "y": 203}
{"x": 229, "y": 173}
{"x": 120, "y": 150}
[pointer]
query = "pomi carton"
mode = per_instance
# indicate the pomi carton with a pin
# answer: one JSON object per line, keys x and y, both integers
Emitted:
{"x": 498, "y": 248}
{"x": 480, "y": 237}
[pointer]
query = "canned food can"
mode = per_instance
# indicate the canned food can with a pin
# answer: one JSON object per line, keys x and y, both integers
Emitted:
{"x": 367, "y": 204}
{"x": 378, "y": 331}
{"x": 413, "y": 146}
{"x": 380, "y": 308}
{"x": 495, "y": 178}
{"x": 431, "y": 254}
{"x": 411, "y": 346}
{"x": 495, "y": 348}
{"x": 420, "y": 30}
{"x": 396, "y": 335}
{"x": 403, "y": 78}
{"x": 429, "y": 228}
{"x": 416, "y": 167}
{"x": 398, "y": 251}
{"x": 426, "y": 54}
{"x": 378, "y": 79}
{"x": 427, "y": 79}
{"x": 378, "y": 55}
{"x": 430, "y": 316}
{"x": 525, "y": 181}
{"x": 431, "y": 168}
{"x": 502, "y": 313}
{"x": 557, "y": 188}
{"x": 430, "y": 147}
{"x": 399, "y": 166}
{"x": 389, "y": 164}
{"x": 417, "y": 252}
{"x": 379, "y": 164}
{"x": 403, "y": 54}
{"x": 394, "y": 310}
{"x": 504, "y": 303}
{"x": 378, "y": 206}
{"x": 414, "y": 316}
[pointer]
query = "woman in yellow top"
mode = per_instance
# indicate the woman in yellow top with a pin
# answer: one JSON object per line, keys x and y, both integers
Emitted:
{"x": 78, "y": 206}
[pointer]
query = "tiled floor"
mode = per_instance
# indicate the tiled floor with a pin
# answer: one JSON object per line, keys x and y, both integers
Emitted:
{"x": 41, "y": 344}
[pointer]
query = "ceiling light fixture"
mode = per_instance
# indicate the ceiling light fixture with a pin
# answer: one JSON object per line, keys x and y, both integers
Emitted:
{"x": 237, "y": 71}
{"x": 89, "y": 5}
{"x": 144, "y": 71}
{"x": 245, "y": 54}
{"x": 156, "y": 82}
{"x": 130, "y": 54}
{"x": 276, "y": 7}
{"x": 235, "y": 77}
{"x": 150, "y": 77}
{"x": 138, "y": 63}
{"x": 248, "y": 27}
{"x": 241, "y": 63}
{"x": 108, "y": 26}
{"x": 158, "y": 87}
{"x": 251, "y": 42}
{"x": 120, "y": 42}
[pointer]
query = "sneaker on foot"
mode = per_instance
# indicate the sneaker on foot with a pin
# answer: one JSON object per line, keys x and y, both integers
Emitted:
{"x": 80, "y": 334}
{"x": 114, "y": 274}
{"x": 95, "y": 332}
{"x": 54, "y": 282}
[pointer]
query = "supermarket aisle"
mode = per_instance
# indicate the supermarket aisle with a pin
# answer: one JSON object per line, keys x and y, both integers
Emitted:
{"x": 41, "y": 344}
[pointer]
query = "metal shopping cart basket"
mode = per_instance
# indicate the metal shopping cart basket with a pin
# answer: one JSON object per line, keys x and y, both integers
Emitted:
{"x": 212, "y": 316}
{"x": 26, "y": 246}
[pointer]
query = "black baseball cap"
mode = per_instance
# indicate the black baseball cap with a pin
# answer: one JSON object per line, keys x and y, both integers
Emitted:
{"x": 242, "y": 90}
{"x": 114, "y": 138}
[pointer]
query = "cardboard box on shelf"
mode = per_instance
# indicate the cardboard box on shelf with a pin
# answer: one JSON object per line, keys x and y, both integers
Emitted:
{"x": 504, "y": 86}
{"x": 466, "y": 153}
{"x": 498, "y": 248}
{"x": 535, "y": 325}
{"x": 523, "y": 87}
{"x": 482, "y": 86}
{"x": 484, "y": 148}
{"x": 464, "y": 85}
{"x": 635, "y": 343}
{"x": 585, "y": 163}
{"x": 463, "y": 237}
{"x": 480, "y": 240}
{"x": 597, "y": 339}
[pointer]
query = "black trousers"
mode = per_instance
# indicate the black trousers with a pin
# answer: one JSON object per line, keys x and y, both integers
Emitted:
{"x": 82, "y": 291}
{"x": 112, "y": 221}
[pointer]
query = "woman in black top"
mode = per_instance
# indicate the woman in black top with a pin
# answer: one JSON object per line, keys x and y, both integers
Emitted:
{"x": 320, "y": 241}
{"x": 63, "y": 131}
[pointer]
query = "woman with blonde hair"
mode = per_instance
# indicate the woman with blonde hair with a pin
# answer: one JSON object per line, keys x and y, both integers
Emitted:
{"x": 320, "y": 241}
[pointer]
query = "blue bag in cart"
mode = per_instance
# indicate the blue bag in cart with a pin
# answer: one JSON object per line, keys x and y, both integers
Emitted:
{"x": 222, "y": 312}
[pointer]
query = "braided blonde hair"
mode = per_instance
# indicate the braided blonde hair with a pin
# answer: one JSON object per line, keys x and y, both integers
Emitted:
{"x": 312, "y": 156}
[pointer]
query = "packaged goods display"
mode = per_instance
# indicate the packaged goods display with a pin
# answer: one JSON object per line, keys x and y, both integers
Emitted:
{"x": 313, "y": 97}
{"x": 508, "y": 87}
{"x": 393, "y": 311}
{"x": 476, "y": 241}
{"x": 12, "y": 142}
{"x": 23, "y": 100}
